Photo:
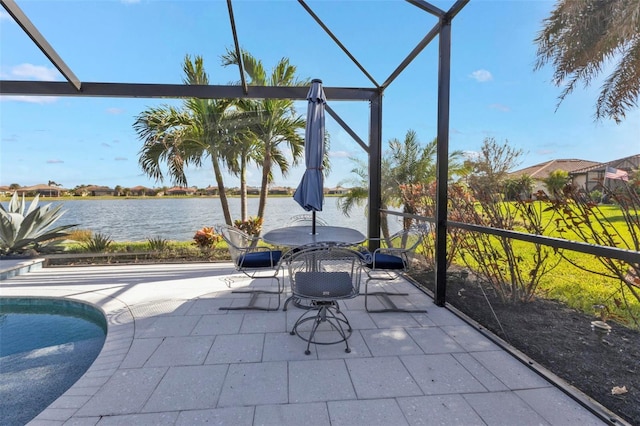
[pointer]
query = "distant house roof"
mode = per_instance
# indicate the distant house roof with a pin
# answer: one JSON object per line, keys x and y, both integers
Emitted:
{"x": 627, "y": 163}
{"x": 42, "y": 189}
{"x": 140, "y": 188}
{"x": 41, "y": 186}
{"x": 96, "y": 188}
{"x": 180, "y": 190}
{"x": 542, "y": 170}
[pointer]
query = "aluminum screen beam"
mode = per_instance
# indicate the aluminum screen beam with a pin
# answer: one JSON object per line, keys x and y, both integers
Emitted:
{"x": 428, "y": 7}
{"x": 243, "y": 80}
{"x": 442, "y": 161}
{"x": 346, "y": 128}
{"x": 412, "y": 55}
{"x": 456, "y": 8}
{"x": 375, "y": 171}
{"x": 42, "y": 43}
{"x": 338, "y": 42}
{"x": 134, "y": 90}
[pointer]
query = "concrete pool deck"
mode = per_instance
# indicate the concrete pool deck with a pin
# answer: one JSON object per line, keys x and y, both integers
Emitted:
{"x": 172, "y": 357}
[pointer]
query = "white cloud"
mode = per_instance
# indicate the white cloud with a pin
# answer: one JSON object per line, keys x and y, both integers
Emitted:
{"x": 35, "y": 72}
{"x": 30, "y": 99}
{"x": 500, "y": 107}
{"x": 115, "y": 111}
{"x": 4, "y": 16}
{"x": 55, "y": 161}
{"x": 481, "y": 76}
{"x": 120, "y": 158}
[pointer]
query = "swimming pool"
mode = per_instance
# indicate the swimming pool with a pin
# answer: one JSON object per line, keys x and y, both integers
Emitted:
{"x": 46, "y": 345}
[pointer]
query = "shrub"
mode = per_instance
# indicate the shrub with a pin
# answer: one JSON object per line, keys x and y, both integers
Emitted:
{"x": 206, "y": 238}
{"x": 582, "y": 219}
{"x": 513, "y": 272}
{"x": 158, "y": 244}
{"x": 251, "y": 226}
{"x": 422, "y": 200}
{"x": 97, "y": 243}
{"x": 595, "y": 195}
{"x": 22, "y": 231}
{"x": 79, "y": 235}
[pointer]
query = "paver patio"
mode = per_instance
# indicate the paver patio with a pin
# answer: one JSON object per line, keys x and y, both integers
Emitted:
{"x": 172, "y": 357}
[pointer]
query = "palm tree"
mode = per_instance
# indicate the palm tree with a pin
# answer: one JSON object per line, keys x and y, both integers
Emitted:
{"x": 358, "y": 191}
{"x": 556, "y": 181}
{"x": 276, "y": 123}
{"x": 407, "y": 163}
{"x": 581, "y": 37}
{"x": 243, "y": 151}
{"x": 183, "y": 137}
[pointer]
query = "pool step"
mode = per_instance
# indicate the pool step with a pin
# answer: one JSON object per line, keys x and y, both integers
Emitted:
{"x": 14, "y": 267}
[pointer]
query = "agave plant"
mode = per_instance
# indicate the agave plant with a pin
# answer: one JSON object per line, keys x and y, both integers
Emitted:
{"x": 22, "y": 231}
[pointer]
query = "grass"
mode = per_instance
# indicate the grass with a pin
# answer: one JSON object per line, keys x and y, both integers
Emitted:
{"x": 583, "y": 290}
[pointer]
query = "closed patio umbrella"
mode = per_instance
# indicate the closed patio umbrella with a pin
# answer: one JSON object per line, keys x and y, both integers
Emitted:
{"x": 309, "y": 193}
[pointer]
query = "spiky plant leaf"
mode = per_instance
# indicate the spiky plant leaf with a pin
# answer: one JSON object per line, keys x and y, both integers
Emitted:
{"x": 19, "y": 232}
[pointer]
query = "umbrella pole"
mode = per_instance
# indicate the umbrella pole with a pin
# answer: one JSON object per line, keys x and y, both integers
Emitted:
{"x": 313, "y": 222}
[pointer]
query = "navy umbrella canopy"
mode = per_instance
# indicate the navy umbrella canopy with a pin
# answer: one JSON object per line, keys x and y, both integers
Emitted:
{"x": 309, "y": 193}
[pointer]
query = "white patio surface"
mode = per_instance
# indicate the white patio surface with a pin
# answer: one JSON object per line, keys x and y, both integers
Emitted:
{"x": 172, "y": 357}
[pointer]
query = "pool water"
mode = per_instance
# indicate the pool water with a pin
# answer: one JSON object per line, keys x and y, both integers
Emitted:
{"x": 46, "y": 345}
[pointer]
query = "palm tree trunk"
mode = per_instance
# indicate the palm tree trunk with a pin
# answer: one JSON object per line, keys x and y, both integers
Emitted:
{"x": 384, "y": 226}
{"x": 243, "y": 189}
{"x": 266, "y": 167}
{"x": 222, "y": 192}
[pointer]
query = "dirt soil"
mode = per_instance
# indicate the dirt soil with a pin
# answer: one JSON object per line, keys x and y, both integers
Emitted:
{"x": 560, "y": 339}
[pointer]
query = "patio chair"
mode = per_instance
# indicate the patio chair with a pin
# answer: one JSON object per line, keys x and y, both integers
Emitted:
{"x": 254, "y": 261}
{"x": 305, "y": 220}
{"x": 387, "y": 263}
{"x": 322, "y": 276}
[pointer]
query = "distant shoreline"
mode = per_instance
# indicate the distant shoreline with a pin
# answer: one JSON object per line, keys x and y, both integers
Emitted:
{"x": 150, "y": 197}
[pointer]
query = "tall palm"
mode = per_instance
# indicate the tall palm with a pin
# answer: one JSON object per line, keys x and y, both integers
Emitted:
{"x": 277, "y": 123}
{"x": 580, "y": 37}
{"x": 186, "y": 136}
{"x": 242, "y": 152}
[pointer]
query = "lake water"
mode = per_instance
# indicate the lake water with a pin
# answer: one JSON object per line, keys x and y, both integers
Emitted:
{"x": 138, "y": 219}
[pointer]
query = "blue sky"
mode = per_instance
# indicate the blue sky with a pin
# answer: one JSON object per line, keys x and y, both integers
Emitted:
{"x": 494, "y": 90}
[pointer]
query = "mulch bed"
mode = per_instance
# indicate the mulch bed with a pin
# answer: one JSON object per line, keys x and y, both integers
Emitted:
{"x": 560, "y": 339}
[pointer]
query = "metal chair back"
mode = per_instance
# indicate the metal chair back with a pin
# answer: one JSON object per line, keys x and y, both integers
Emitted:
{"x": 325, "y": 273}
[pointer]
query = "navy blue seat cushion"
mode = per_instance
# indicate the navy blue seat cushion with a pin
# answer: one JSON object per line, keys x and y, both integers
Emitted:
{"x": 323, "y": 284}
{"x": 386, "y": 261}
{"x": 259, "y": 259}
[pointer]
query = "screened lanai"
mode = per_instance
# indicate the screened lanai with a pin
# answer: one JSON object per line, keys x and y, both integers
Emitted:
{"x": 437, "y": 32}
{"x": 367, "y": 105}
{"x": 423, "y": 59}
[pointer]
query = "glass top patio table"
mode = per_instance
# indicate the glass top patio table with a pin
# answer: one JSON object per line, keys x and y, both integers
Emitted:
{"x": 295, "y": 236}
